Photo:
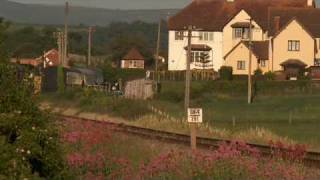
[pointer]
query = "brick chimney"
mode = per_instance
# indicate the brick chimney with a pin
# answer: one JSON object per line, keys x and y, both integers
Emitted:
{"x": 276, "y": 22}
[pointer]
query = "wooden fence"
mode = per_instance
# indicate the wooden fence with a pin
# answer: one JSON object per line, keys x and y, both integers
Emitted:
{"x": 202, "y": 75}
{"x": 139, "y": 89}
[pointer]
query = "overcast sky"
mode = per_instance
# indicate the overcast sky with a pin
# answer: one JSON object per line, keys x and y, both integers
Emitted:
{"x": 117, "y": 4}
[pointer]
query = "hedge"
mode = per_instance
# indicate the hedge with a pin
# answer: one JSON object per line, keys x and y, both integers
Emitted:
{"x": 174, "y": 91}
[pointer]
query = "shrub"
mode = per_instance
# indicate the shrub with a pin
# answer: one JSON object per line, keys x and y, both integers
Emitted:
{"x": 226, "y": 73}
{"x": 270, "y": 75}
{"x": 29, "y": 141}
{"x": 258, "y": 72}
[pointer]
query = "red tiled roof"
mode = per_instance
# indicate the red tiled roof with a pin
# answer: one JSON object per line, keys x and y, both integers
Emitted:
{"x": 214, "y": 14}
{"x": 26, "y": 61}
{"x": 309, "y": 18}
{"x": 259, "y": 48}
{"x": 52, "y": 57}
{"x": 133, "y": 54}
{"x": 241, "y": 25}
{"x": 199, "y": 47}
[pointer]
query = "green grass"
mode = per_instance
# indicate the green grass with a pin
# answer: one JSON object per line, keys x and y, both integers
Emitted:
{"x": 270, "y": 112}
{"x": 88, "y": 100}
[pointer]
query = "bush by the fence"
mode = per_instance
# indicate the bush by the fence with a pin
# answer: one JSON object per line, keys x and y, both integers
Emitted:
{"x": 226, "y": 73}
{"x": 174, "y": 91}
{"x": 258, "y": 72}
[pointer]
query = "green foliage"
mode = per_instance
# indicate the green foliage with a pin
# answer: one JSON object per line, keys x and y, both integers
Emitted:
{"x": 258, "y": 72}
{"x": 29, "y": 140}
{"x": 3, "y": 49}
{"x": 121, "y": 45}
{"x": 226, "y": 73}
{"x": 270, "y": 75}
{"x": 93, "y": 101}
{"x": 114, "y": 40}
{"x": 29, "y": 42}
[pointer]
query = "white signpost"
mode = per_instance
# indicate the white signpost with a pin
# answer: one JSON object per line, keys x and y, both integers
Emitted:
{"x": 194, "y": 117}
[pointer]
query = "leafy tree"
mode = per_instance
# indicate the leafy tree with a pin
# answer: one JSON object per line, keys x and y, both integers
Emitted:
{"x": 122, "y": 44}
{"x": 29, "y": 42}
{"x": 3, "y": 50}
{"x": 30, "y": 147}
{"x": 204, "y": 59}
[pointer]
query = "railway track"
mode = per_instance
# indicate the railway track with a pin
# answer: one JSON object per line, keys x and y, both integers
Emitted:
{"x": 312, "y": 159}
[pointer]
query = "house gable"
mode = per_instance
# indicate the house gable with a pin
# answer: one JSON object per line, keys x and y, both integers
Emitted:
{"x": 229, "y": 39}
{"x": 241, "y": 16}
{"x": 293, "y": 22}
{"x": 241, "y": 44}
{"x": 240, "y": 54}
{"x": 293, "y": 31}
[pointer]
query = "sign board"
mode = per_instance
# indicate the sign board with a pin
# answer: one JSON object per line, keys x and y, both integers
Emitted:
{"x": 194, "y": 115}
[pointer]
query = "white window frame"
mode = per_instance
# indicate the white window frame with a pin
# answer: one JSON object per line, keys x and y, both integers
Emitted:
{"x": 201, "y": 36}
{"x": 263, "y": 63}
{"x": 179, "y": 35}
{"x": 241, "y": 65}
{"x": 241, "y": 33}
{"x": 206, "y": 36}
{"x": 293, "y": 45}
{"x": 237, "y": 33}
{"x": 196, "y": 56}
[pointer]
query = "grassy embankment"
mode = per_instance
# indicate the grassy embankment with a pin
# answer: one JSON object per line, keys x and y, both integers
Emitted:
{"x": 280, "y": 111}
{"x": 289, "y": 109}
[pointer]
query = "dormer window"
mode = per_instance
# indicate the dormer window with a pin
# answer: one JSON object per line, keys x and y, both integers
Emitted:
{"x": 241, "y": 30}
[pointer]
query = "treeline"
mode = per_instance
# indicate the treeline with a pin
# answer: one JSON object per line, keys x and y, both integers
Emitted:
{"x": 112, "y": 41}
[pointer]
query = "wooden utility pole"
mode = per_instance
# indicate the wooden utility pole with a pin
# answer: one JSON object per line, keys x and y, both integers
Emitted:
{"x": 188, "y": 73}
{"x": 65, "y": 50}
{"x": 250, "y": 62}
{"x": 193, "y": 126}
{"x": 157, "y": 54}
{"x": 90, "y": 31}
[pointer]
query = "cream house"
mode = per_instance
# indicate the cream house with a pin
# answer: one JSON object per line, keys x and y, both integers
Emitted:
{"x": 238, "y": 29}
{"x": 292, "y": 40}
{"x": 238, "y": 59}
{"x": 219, "y": 25}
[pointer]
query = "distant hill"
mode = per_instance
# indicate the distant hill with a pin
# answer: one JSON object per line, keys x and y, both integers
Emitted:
{"x": 44, "y": 14}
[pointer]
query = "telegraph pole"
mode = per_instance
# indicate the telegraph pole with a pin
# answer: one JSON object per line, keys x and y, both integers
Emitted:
{"x": 250, "y": 62}
{"x": 157, "y": 54}
{"x": 90, "y": 30}
{"x": 193, "y": 126}
{"x": 188, "y": 74}
{"x": 65, "y": 50}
